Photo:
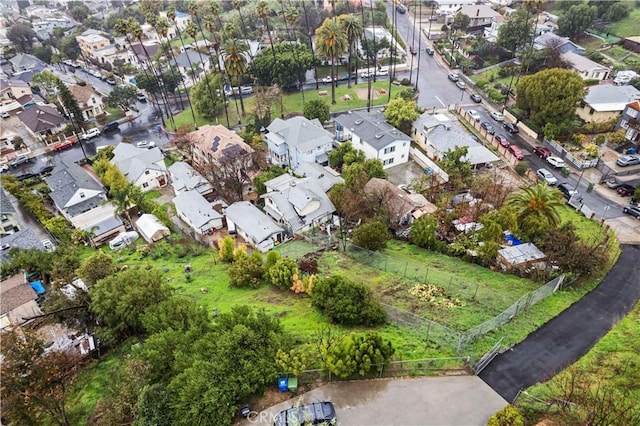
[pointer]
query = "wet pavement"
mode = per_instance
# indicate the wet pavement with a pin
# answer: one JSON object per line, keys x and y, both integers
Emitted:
{"x": 459, "y": 400}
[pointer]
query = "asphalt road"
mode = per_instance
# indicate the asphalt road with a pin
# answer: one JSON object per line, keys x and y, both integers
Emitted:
{"x": 567, "y": 337}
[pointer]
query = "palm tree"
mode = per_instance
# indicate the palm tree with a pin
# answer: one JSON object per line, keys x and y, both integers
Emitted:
{"x": 313, "y": 51}
{"x": 290, "y": 17}
{"x": 235, "y": 62}
{"x": 237, "y": 5}
{"x": 331, "y": 42}
{"x": 263, "y": 11}
{"x": 352, "y": 28}
{"x": 161, "y": 26}
{"x": 538, "y": 200}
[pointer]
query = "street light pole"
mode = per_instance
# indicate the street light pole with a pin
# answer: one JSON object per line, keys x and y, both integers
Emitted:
{"x": 433, "y": 8}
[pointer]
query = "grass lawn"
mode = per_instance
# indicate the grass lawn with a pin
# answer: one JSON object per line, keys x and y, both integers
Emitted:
{"x": 292, "y": 103}
{"x": 492, "y": 93}
{"x": 628, "y": 26}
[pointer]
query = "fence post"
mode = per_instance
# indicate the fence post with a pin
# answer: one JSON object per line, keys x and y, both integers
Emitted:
{"x": 428, "y": 329}
{"x": 476, "y": 292}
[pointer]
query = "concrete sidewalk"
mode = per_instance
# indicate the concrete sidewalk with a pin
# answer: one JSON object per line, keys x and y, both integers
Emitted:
{"x": 459, "y": 400}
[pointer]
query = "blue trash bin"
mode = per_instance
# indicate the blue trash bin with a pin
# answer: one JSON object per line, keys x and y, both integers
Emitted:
{"x": 283, "y": 384}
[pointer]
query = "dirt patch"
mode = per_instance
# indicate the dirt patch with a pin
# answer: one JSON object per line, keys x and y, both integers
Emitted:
{"x": 362, "y": 93}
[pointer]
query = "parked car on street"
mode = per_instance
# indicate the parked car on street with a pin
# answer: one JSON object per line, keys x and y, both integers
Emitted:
{"x": 461, "y": 85}
{"x": 4, "y": 114}
{"x": 568, "y": 192}
{"x": 511, "y": 128}
{"x": 542, "y": 152}
{"x": 517, "y": 152}
{"x": 315, "y": 413}
{"x": 141, "y": 97}
{"x": 413, "y": 50}
{"x": 45, "y": 170}
{"x": 488, "y": 127}
{"x": 626, "y": 190}
{"x": 632, "y": 210}
{"x": 556, "y": 162}
{"x": 474, "y": 114}
{"x": 503, "y": 141}
{"x": 4, "y": 168}
{"x": 146, "y": 144}
{"x": 613, "y": 183}
{"x": 383, "y": 72}
{"x": 546, "y": 176}
{"x": 365, "y": 74}
{"x": 327, "y": 79}
{"x": 628, "y": 160}
{"x": 111, "y": 126}
{"x": 453, "y": 76}
{"x": 68, "y": 143}
{"x": 20, "y": 159}
{"x": 476, "y": 98}
{"x": 91, "y": 133}
{"x": 497, "y": 115}
{"x": 430, "y": 51}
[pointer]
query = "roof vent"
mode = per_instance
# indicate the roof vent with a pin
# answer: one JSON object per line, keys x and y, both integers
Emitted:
{"x": 379, "y": 135}
{"x": 352, "y": 129}
{"x": 292, "y": 183}
{"x": 358, "y": 122}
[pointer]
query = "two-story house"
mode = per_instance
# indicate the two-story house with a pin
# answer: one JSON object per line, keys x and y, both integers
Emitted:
{"x": 88, "y": 100}
{"x": 142, "y": 53}
{"x": 185, "y": 178}
{"x": 450, "y": 7}
{"x": 605, "y": 102}
{"x": 10, "y": 92}
{"x": 630, "y": 122}
{"x": 297, "y": 140}
{"x": 142, "y": 167}
{"x": 91, "y": 42}
{"x": 480, "y": 15}
{"x": 370, "y": 133}
{"x": 192, "y": 65}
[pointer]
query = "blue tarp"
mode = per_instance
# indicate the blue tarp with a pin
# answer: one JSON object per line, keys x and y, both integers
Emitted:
{"x": 514, "y": 241}
{"x": 38, "y": 287}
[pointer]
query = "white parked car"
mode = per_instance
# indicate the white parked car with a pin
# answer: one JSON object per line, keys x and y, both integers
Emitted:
{"x": 4, "y": 168}
{"x": 545, "y": 175}
{"x": 366, "y": 74}
{"x": 474, "y": 114}
{"x": 556, "y": 162}
{"x": 4, "y": 114}
{"x": 382, "y": 72}
{"x": 146, "y": 144}
{"x": 497, "y": 116}
{"x": 91, "y": 133}
{"x": 327, "y": 79}
{"x": 123, "y": 239}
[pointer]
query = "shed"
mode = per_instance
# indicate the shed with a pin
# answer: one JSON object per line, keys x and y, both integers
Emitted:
{"x": 151, "y": 229}
{"x": 520, "y": 256}
{"x": 17, "y": 301}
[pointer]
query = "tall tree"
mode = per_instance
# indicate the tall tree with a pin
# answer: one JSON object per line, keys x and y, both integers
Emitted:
{"x": 69, "y": 102}
{"x": 537, "y": 200}
{"x": 353, "y": 30}
{"x": 162, "y": 29}
{"x": 235, "y": 63}
{"x": 550, "y": 96}
{"x": 203, "y": 102}
{"x": 21, "y": 35}
{"x": 576, "y": 20}
{"x": 122, "y": 97}
{"x": 331, "y": 43}
{"x": 289, "y": 67}
{"x": 514, "y": 33}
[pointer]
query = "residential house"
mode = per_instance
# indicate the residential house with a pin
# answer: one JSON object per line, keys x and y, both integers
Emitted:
{"x": 253, "y": 226}
{"x": 42, "y": 120}
{"x": 401, "y": 208}
{"x": 606, "y": 101}
{"x": 630, "y": 121}
{"x": 220, "y": 154}
{"x": 88, "y": 100}
{"x": 6, "y": 140}
{"x": 180, "y": 22}
{"x": 197, "y": 212}
{"x": 632, "y": 44}
{"x": 151, "y": 229}
{"x": 522, "y": 256}
{"x": 436, "y": 134}
{"x": 143, "y": 53}
{"x": 8, "y": 218}
{"x": 324, "y": 175}
{"x": 553, "y": 41}
{"x": 450, "y": 7}
{"x": 17, "y": 302}
{"x": 298, "y": 204}
{"x": 480, "y": 15}
{"x": 90, "y": 43}
{"x": 142, "y": 167}
{"x": 47, "y": 26}
{"x": 378, "y": 33}
{"x": 370, "y": 133}
{"x": 191, "y": 58}
{"x": 297, "y": 140}
{"x": 73, "y": 190}
{"x": 185, "y": 178}
{"x": 585, "y": 67}
{"x": 26, "y": 62}
{"x": 10, "y": 92}
{"x": 109, "y": 54}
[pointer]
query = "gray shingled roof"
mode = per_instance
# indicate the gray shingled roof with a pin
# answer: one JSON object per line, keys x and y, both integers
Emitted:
{"x": 195, "y": 208}
{"x": 301, "y": 133}
{"x": 325, "y": 176}
{"x": 450, "y": 135}
{"x": 185, "y": 177}
{"x": 255, "y": 224}
{"x": 40, "y": 118}
{"x": 5, "y": 204}
{"x": 24, "y": 239}
{"x": 372, "y": 128}
{"x": 66, "y": 180}
{"x": 609, "y": 97}
{"x": 133, "y": 161}
{"x": 183, "y": 59}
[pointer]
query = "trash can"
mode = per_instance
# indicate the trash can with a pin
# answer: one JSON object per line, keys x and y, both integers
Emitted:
{"x": 590, "y": 187}
{"x": 283, "y": 384}
{"x": 293, "y": 384}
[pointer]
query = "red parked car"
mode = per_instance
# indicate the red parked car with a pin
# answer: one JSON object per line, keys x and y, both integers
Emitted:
{"x": 68, "y": 143}
{"x": 625, "y": 190}
{"x": 502, "y": 140}
{"x": 517, "y": 152}
{"x": 542, "y": 152}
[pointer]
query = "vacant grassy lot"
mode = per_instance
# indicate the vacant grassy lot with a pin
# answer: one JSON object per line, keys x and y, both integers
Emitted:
{"x": 356, "y": 97}
{"x": 628, "y": 26}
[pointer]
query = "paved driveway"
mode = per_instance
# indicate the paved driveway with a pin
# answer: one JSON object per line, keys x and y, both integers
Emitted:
{"x": 460, "y": 400}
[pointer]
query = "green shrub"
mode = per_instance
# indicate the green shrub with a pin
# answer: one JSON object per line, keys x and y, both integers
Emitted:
{"x": 508, "y": 416}
{"x": 521, "y": 168}
{"x": 405, "y": 82}
{"x": 280, "y": 274}
{"x": 347, "y": 302}
{"x": 371, "y": 236}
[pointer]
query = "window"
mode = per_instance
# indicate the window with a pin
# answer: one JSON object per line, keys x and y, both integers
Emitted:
{"x": 146, "y": 172}
{"x": 591, "y": 111}
{"x": 81, "y": 195}
{"x": 387, "y": 162}
{"x": 404, "y": 144}
{"x": 145, "y": 185}
{"x": 389, "y": 150}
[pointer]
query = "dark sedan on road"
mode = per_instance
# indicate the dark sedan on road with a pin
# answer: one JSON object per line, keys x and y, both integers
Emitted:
{"x": 488, "y": 127}
{"x": 632, "y": 210}
{"x": 511, "y": 128}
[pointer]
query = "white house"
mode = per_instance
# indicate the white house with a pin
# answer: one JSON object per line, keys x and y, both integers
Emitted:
{"x": 185, "y": 178}
{"x": 190, "y": 58}
{"x": 370, "y": 133}
{"x": 449, "y": 7}
{"x": 255, "y": 227}
{"x": 197, "y": 212}
{"x": 88, "y": 100}
{"x": 480, "y": 15}
{"x": 297, "y": 140}
{"x": 585, "y": 67}
{"x": 142, "y": 167}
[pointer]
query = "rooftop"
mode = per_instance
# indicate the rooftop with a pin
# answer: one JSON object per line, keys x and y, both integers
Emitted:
{"x": 372, "y": 127}
{"x": 610, "y": 97}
